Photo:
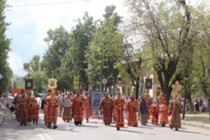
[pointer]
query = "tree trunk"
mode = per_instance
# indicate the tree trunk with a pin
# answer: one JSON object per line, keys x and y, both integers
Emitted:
{"x": 209, "y": 107}
{"x": 137, "y": 90}
{"x": 184, "y": 106}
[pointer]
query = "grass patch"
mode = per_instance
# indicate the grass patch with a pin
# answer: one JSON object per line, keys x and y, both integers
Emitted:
{"x": 193, "y": 112}
{"x": 197, "y": 120}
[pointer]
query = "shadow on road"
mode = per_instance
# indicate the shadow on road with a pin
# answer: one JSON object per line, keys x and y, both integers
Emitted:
{"x": 192, "y": 132}
{"x": 131, "y": 131}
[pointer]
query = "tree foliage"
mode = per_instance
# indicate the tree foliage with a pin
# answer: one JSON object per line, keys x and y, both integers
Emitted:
{"x": 165, "y": 31}
{"x": 104, "y": 50}
{"x": 37, "y": 74}
{"x": 5, "y": 70}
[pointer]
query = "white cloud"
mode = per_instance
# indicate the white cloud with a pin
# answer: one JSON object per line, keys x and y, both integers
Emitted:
{"x": 29, "y": 24}
{"x": 16, "y": 63}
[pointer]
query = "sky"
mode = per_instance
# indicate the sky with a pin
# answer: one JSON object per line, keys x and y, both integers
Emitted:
{"x": 31, "y": 19}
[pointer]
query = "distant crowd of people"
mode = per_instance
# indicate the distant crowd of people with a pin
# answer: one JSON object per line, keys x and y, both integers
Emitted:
{"x": 76, "y": 106}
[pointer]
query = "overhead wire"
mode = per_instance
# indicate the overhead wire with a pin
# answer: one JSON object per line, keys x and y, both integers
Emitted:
{"x": 44, "y": 4}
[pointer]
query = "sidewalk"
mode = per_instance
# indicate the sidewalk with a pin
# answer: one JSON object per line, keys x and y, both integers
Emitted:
{"x": 198, "y": 122}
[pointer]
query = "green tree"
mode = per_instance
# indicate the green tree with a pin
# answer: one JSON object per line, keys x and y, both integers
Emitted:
{"x": 203, "y": 54}
{"x": 105, "y": 50}
{"x": 5, "y": 70}
{"x": 37, "y": 74}
{"x": 58, "y": 45}
{"x": 35, "y": 63}
{"x": 80, "y": 37}
{"x": 39, "y": 80}
{"x": 165, "y": 30}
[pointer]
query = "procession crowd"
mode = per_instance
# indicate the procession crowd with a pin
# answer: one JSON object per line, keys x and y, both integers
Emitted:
{"x": 77, "y": 106}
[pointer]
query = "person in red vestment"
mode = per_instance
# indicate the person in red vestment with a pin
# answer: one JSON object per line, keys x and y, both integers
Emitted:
{"x": 163, "y": 109}
{"x": 30, "y": 102}
{"x": 131, "y": 109}
{"x": 36, "y": 112}
{"x": 46, "y": 107}
{"x": 23, "y": 108}
{"x": 78, "y": 106}
{"x": 52, "y": 109}
{"x": 154, "y": 110}
{"x": 106, "y": 106}
{"x": 174, "y": 111}
{"x": 88, "y": 110}
{"x": 119, "y": 104}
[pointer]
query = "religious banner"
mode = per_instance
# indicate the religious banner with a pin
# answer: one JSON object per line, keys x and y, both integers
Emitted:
{"x": 96, "y": 97}
{"x": 52, "y": 83}
{"x": 26, "y": 66}
{"x": 29, "y": 84}
{"x": 76, "y": 82}
{"x": 148, "y": 83}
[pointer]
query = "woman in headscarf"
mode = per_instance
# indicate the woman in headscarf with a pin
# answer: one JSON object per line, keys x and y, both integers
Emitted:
{"x": 143, "y": 110}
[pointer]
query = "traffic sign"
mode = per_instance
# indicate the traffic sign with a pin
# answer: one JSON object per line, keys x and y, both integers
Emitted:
{"x": 104, "y": 81}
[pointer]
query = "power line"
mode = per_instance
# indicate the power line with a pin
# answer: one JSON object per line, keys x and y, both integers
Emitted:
{"x": 45, "y": 4}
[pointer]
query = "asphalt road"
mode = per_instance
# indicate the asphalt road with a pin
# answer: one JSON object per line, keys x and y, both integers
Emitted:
{"x": 96, "y": 130}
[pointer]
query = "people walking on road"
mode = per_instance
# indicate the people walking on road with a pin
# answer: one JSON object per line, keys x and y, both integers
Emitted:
{"x": 163, "y": 109}
{"x": 5, "y": 100}
{"x": 154, "y": 111}
{"x": 61, "y": 97}
{"x": 43, "y": 102}
{"x": 36, "y": 112}
{"x": 149, "y": 102}
{"x": 23, "y": 108}
{"x": 30, "y": 103}
{"x": 174, "y": 111}
{"x": 106, "y": 107}
{"x": 52, "y": 109}
{"x": 131, "y": 109}
{"x": 78, "y": 106}
{"x": 15, "y": 103}
{"x": 87, "y": 103}
{"x": 119, "y": 104}
{"x": 143, "y": 110}
{"x": 46, "y": 107}
{"x": 67, "y": 109}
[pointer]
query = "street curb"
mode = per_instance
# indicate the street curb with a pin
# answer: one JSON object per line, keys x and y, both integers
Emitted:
{"x": 196, "y": 124}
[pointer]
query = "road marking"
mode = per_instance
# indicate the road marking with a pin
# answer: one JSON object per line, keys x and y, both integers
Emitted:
{"x": 42, "y": 135}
